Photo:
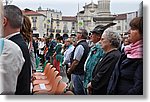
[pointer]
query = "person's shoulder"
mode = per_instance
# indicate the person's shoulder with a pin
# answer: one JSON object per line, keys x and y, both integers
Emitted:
{"x": 11, "y": 46}
{"x": 80, "y": 47}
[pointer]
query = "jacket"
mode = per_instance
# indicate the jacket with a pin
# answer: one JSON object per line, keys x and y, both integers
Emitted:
{"x": 127, "y": 78}
{"x": 102, "y": 72}
{"x": 24, "y": 78}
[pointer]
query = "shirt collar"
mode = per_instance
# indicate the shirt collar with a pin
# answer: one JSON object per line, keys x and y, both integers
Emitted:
{"x": 9, "y": 36}
{"x": 80, "y": 40}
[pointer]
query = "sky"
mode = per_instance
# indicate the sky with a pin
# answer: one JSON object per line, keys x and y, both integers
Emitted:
{"x": 70, "y": 7}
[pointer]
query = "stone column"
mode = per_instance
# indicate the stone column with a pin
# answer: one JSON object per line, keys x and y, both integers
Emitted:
{"x": 104, "y": 6}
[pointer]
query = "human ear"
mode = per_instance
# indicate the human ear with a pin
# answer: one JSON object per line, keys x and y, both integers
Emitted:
{"x": 5, "y": 21}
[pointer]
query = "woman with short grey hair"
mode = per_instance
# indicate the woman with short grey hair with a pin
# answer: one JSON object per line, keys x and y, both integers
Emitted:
{"x": 113, "y": 37}
{"x": 110, "y": 42}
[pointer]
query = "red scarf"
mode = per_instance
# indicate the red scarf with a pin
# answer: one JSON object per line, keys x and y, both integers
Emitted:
{"x": 134, "y": 50}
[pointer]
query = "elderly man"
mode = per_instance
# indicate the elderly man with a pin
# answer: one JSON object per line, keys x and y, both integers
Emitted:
{"x": 79, "y": 56}
{"x": 13, "y": 19}
{"x": 94, "y": 55}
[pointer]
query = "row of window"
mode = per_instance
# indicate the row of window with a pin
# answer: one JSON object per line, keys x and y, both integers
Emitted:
{"x": 119, "y": 28}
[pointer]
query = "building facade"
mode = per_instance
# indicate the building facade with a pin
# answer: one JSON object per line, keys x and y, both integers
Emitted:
{"x": 58, "y": 24}
{"x": 45, "y": 22}
{"x": 122, "y": 22}
{"x": 38, "y": 22}
{"x": 53, "y": 18}
{"x": 95, "y": 14}
{"x": 69, "y": 25}
{"x": 85, "y": 17}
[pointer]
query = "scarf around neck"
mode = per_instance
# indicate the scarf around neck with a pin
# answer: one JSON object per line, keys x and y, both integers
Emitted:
{"x": 135, "y": 50}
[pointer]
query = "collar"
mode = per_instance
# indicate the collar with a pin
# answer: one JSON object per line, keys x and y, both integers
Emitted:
{"x": 9, "y": 36}
{"x": 80, "y": 40}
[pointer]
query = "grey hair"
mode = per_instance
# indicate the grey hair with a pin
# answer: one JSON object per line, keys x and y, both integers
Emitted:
{"x": 84, "y": 33}
{"x": 113, "y": 37}
{"x": 14, "y": 16}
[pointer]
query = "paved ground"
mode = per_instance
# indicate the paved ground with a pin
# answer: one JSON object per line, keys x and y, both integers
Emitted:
{"x": 63, "y": 74}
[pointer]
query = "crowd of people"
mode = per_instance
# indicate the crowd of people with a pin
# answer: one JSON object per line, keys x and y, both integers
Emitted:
{"x": 102, "y": 63}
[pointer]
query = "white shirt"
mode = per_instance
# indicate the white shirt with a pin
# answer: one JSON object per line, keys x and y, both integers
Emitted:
{"x": 67, "y": 54}
{"x": 11, "y": 62}
{"x": 78, "y": 52}
{"x": 9, "y": 36}
{"x": 41, "y": 45}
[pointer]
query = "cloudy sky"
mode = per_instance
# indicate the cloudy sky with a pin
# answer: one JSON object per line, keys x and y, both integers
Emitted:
{"x": 70, "y": 7}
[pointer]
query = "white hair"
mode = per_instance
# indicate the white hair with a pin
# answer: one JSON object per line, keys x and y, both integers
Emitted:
{"x": 113, "y": 37}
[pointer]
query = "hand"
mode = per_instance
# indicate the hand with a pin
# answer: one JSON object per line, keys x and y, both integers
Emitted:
{"x": 69, "y": 71}
{"x": 69, "y": 65}
{"x": 54, "y": 55}
{"x": 89, "y": 86}
{"x": 33, "y": 71}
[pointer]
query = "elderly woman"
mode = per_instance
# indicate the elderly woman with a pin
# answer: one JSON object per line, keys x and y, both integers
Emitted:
{"x": 127, "y": 77}
{"x": 110, "y": 42}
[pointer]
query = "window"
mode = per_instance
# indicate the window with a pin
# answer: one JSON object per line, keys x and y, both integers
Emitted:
{"x": 73, "y": 23}
{"x": 125, "y": 27}
{"x": 34, "y": 19}
{"x": 118, "y": 27}
{"x": 65, "y": 31}
{"x": 34, "y": 28}
{"x": 57, "y": 22}
{"x": 58, "y": 31}
{"x": 57, "y": 16}
{"x": 44, "y": 25}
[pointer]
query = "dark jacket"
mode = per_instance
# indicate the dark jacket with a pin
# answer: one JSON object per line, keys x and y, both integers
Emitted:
{"x": 24, "y": 78}
{"x": 127, "y": 77}
{"x": 102, "y": 72}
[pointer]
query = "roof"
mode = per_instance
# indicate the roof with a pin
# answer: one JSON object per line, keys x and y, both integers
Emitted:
{"x": 87, "y": 5}
{"x": 69, "y": 18}
{"x": 124, "y": 15}
{"x": 31, "y": 13}
{"x": 81, "y": 11}
{"x": 121, "y": 17}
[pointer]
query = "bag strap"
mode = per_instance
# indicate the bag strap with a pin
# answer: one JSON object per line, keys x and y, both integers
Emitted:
{"x": 1, "y": 45}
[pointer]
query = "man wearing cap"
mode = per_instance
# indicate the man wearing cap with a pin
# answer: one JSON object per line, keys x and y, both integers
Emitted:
{"x": 78, "y": 59}
{"x": 94, "y": 56}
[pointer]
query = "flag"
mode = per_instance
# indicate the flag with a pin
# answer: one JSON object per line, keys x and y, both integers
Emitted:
{"x": 80, "y": 23}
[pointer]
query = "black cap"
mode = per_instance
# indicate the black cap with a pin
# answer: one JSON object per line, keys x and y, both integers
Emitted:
{"x": 100, "y": 28}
